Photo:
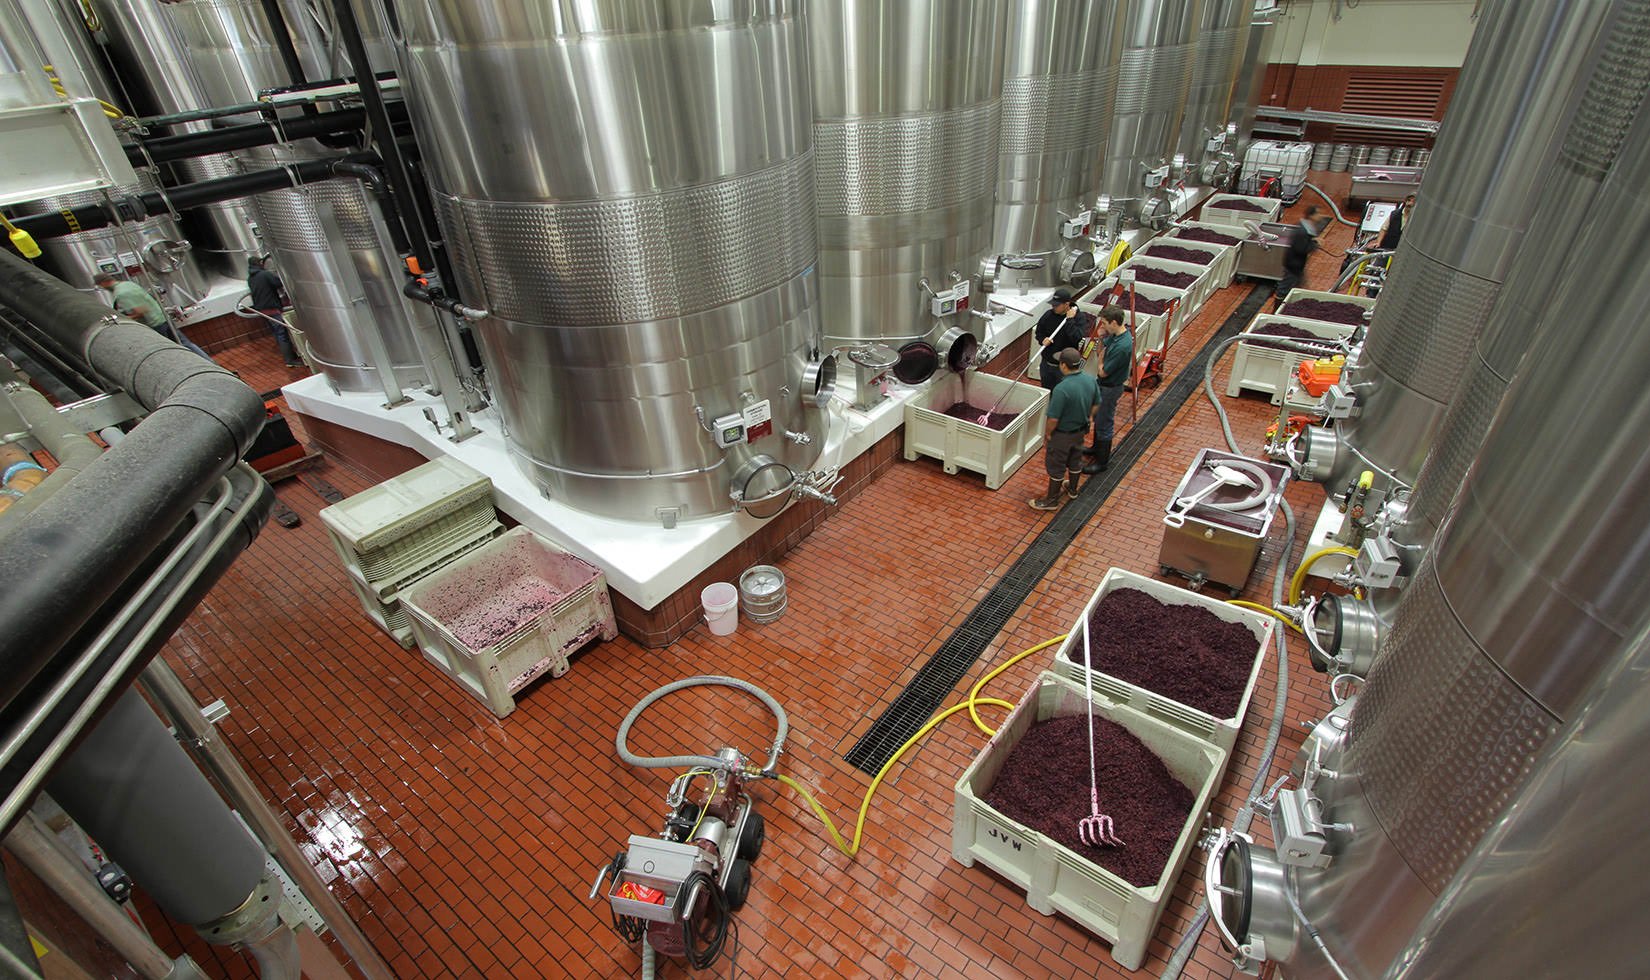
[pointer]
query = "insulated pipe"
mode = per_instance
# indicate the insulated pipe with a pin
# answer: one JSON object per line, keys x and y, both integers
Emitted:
{"x": 165, "y": 149}
{"x": 199, "y": 194}
{"x": 83, "y": 542}
{"x": 71, "y": 447}
{"x": 133, "y": 789}
{"x": 692, "y": 761}
{"x": 31, "y": 845}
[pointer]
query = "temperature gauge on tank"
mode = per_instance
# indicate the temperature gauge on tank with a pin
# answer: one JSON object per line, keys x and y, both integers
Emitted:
{"x": 730, "y": 430}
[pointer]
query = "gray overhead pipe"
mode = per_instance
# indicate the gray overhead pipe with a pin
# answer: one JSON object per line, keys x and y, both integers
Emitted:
{"x": 67, "y": 444}
{"x": 82, "y": 543}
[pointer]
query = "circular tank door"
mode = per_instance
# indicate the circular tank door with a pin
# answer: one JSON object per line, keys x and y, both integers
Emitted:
{"x": 764, "y": 485}
{"x": 917, "y": 362}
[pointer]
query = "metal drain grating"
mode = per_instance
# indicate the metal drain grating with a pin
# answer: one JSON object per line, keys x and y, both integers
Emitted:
{"x": 957, "y": 654}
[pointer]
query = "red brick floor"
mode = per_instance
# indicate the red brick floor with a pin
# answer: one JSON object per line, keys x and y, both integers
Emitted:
{"x": 465, "y": 845}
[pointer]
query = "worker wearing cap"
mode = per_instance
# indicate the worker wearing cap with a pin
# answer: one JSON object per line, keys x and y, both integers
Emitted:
{"x": 1059, "y": 328}
{"x": 1071, "y": 407}
{"x": 132, "y": 300}
{"x": 1116, "y": 362}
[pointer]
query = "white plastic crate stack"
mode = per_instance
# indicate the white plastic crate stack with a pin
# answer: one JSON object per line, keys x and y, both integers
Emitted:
{"x": 960, "y": 444}
{"x": 1271, "y": 158}
{"x": 1222, "y": 732}
{"x": 396, "y": 533}
{"x": 1056, "y": 878}
{"x": 1264, "y": 368}
{"x": 513, "y": 611}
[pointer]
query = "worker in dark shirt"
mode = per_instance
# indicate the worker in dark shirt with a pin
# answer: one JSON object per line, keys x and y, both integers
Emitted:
{"x": 266, "y": 291}
{"x": 1071, "y": 407}
{"x": 1303, "y": 241}
{"x": 1059, "y": 328}
{"x": 1393, "y": 231}
{"x": 1116, "y": 363}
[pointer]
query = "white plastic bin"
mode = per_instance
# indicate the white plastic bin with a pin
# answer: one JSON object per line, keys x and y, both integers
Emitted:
{"x": 386, "y": 531}
{"x": 1276, "y": 158}
{"x": 1150, "y": 329}
{"x": 1223, "y": 732}
{"x": 1299, "y": 294}
{"x": 491, "y": 585}
{"x": 959, "y": 444}
{"x": 721, "y": 602}
{"x": 1226, "y": 256}
{"x": 1215, "y": 211}
{"x": 1056, "y": 878}
{"x": 1197, "y": 293}
{"x": 1257, "y": 367}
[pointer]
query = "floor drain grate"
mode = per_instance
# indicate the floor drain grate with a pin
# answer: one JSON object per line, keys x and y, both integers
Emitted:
{"x": 958, "y": 653}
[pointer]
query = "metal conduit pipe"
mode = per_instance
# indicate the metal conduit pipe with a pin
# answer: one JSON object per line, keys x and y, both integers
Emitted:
{"x": 84, "y": 541}
{"x": 133, "y": 789}
{"x": 41, "y": 724}
{"x": 55, "y": 224}
{"x": 72, "y": 449}
{"x": 34, "y": 848}
{"x": 179, "y": 706}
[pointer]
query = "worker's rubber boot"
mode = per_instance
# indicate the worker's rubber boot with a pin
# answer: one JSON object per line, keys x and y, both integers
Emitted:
{"x": 1102, "y": 457}
{"x": 1049, "y": 501}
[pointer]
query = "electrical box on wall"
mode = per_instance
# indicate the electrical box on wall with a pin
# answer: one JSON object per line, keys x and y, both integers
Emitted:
{"x": 950, "y": 302}
{"x": 1077, "y": 227}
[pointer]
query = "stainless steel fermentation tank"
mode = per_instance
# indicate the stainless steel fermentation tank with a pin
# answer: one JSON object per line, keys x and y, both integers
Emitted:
{"x": 1523, "y": 77}
{"x": 329, "y": 245}
{"x": 906, "y": 104}
{"x": 628, "y": 188}
{"x": 1154, "y": 77}
{"x": 156, "y": 246}
{"x": 156, "y": 77}
{"x": 1059, "y": 76}
{"x": 1211, "y": 100}
{"x": 1251, "y": 80}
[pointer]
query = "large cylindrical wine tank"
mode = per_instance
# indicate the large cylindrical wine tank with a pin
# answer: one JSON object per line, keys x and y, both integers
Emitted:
{"x": 628, "y": 189}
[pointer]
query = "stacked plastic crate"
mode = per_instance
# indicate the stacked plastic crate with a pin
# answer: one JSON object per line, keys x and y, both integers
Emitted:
{"x": 392, "y": 535}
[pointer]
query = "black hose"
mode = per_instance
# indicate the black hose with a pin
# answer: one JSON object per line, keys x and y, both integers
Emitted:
{"x": 374, "y": 179}
{"x": 703, "y": 957}
{"x": 55, "y": 224}
{"x": 283, "y": 42}
{"x": 183, "y": 146}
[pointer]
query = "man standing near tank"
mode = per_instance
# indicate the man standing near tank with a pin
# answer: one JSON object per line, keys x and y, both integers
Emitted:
{"x": 1071, "y": 407}
{"x": 266, "y": 289}
{"x": 132, "y": 300}
{"x": 1116, "y": 364}
{"x": 1060, "y": 327}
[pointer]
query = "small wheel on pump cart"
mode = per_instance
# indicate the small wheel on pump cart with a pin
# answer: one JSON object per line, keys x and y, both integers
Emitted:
{"x": 739, "y": 883}
{"x": 752, "y": 835}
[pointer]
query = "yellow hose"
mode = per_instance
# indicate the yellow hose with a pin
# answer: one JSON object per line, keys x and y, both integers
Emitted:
{"x": 971, "y": 703}
{"x": 1119, "y": 254}
{"x": 1299, "y": 579}
{"x": 1245, "y": 603}
{"x": 1352, "y": 283}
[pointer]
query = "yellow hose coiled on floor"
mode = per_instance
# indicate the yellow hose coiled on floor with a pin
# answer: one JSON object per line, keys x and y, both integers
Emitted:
{"x": 1300, "y": 573}
{"x": 971, "y": 703}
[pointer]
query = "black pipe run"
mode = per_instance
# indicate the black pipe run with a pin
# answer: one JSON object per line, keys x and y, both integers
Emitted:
{"x": 165, "y": 149}
{"x": 82, "y": 544}
{"x": 56, "y": 224}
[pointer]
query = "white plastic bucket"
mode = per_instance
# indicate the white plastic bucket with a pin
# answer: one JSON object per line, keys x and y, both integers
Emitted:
{"x": 721, "y": 602}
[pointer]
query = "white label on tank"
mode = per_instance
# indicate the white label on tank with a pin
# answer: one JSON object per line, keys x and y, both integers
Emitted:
{"x": 758, "y": 412}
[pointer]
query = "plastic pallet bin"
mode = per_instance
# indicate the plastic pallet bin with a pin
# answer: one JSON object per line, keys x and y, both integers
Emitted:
{"x": 1270, "y": 207}
{"x": 1149, "y": 329}
{"x": 1197, "y": 292}
{"x": 1222, "y": 732}
{"x": 1299, "y": 294}
{"x": 382, "y": 600}
{"x": 402, "y": 524}
{"x": 1211, "y": 278}
{"x": 1054, "y": 877}
{"x": 1225, "y": 264}
{"x": 994, "y": 453}
{"x": 1256, "y": 367}
{"x": 541, "y": 643}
